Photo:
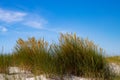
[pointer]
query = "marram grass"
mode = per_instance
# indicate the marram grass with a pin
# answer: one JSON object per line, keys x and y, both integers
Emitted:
{"x": 114, "y": 59}
{"x": 5, "y": 62}
{"x": 71, "y": 56}
{"x": 77, "y": 56}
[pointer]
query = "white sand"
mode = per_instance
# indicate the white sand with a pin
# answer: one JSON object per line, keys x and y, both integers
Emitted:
{"x": 16, "y": 73}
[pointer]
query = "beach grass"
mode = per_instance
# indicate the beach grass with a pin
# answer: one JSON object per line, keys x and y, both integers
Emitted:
{"x": 114, "y": 59}
{"x": 71, "y": 56}
{"x": 80, "y": 57}
{"x": 5, "y": 62}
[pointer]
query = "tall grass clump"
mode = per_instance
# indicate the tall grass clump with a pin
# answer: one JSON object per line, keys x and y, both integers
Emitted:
{"x": 71, "y": 56}
{"x": 5, "y": 62}
{"x": 80, "y": 57}
{"x": 33, "y": 55}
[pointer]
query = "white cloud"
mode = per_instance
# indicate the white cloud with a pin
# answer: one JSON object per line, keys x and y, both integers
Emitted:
{"x": 3, "y": 29}
{"x": 11, "y": 16}
{"x": 22, "y": 18}
{"x": 35, "y": 23}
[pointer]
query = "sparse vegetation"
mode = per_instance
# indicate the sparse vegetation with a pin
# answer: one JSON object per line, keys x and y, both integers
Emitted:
{"x": 71, "y": 56}
{"x": 114, "y": 59}
{"x": 5, "y": 61}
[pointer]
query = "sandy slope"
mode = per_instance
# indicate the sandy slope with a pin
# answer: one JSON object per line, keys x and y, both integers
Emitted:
{"x": 16, "y": 73}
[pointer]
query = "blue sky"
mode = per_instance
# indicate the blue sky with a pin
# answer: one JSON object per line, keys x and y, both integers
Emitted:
{"x": 99, "y": 20}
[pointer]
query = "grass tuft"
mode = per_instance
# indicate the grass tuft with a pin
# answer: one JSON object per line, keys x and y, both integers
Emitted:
{"x": 71, "y": 56}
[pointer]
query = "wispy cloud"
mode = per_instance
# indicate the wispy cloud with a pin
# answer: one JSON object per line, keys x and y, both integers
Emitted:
{"x": 35, "y": 24}
{"x": 3, "y": 29}
{"x": 35, "y": 21}
{"x": 11, "y": 16}
{"x": 22, "y": 18}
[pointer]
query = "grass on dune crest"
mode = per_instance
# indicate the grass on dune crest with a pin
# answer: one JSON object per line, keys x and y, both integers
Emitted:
{"x": 71, "y": 56}
{"x": 5, "y": 62}
{"x": 77, "y": 56}
{"x": 33, "y": 55}
{"x": 114, "y": 59}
